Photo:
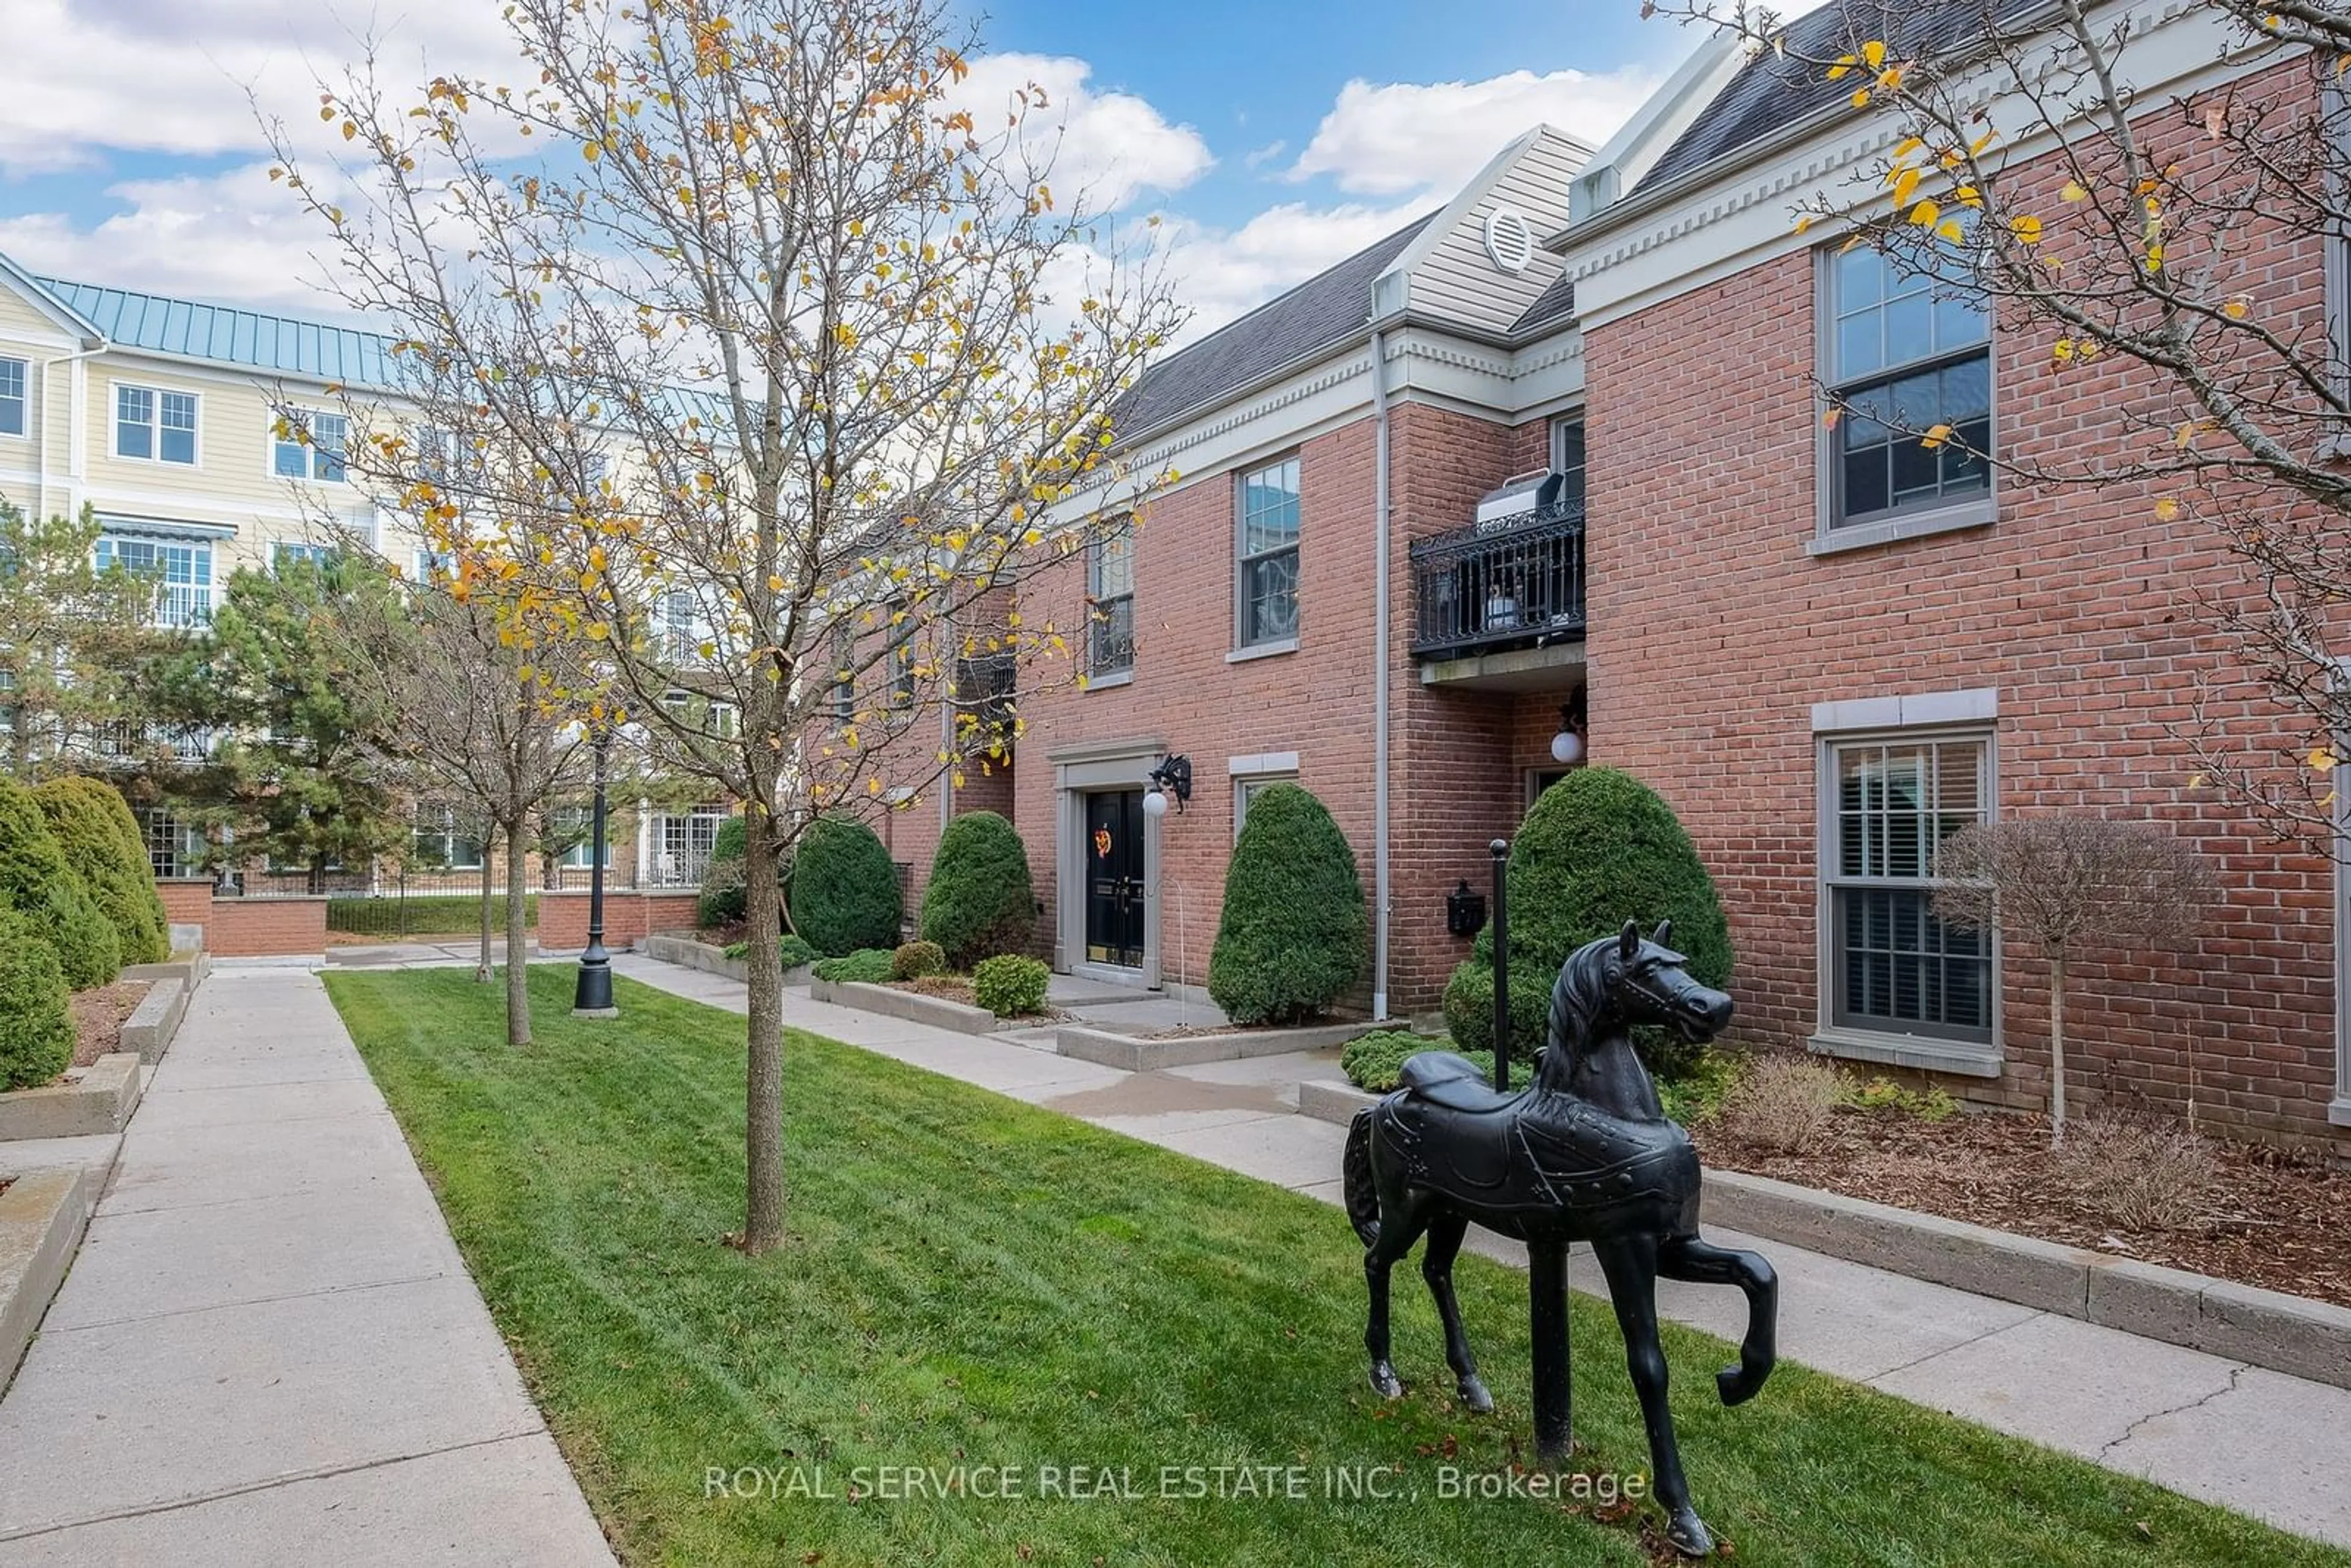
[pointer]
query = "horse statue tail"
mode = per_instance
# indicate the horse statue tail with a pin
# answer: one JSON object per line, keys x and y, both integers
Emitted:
{"x": 1361, "y": 1192}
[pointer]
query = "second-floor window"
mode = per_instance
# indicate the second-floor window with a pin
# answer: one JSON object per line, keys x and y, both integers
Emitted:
{"x": 320, "y": 458}
{"x": 12, "y": 397}
{"x": 678, "y": 627}
{"x": 181, "y": 571}
{"x": 1906, "y": 352}
{"x": 1268, "y": 585}
{"x": 1110, "y": 586}
{"x": 154, "y": 425}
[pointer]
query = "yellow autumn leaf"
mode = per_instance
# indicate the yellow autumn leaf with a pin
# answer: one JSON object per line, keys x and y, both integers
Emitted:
{"x": 2322, "y": 759}
{"x": 1861, "y": 97}
{"x": 2074, "y": 192}
{"x": 2027, "y": 229}
{"x": 2197, "y": 782}
{"x": 1873, "y": 52}
{"x": 1803, "y": 222}
{"x": 1904, "y": 187}
{"x": 1843, "y": 65}
{"x": 1935, "y": 437}
{"x": 1951, "y": 230}
{"x": 2184, "y": 435}
{"x": 2166, "y": 509}
{"x": 1908, "y": 145}
{"x": 2061, "y": 350}
{"x": 2234, "y": 310}
{"x": 1925, "y": 214}
{"x": 1829, "y": 420}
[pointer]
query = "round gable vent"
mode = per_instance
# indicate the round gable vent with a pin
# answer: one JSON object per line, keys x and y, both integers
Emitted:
{"x": 1510, "y": 239}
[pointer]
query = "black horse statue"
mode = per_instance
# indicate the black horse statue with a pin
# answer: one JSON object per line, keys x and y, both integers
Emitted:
{"x": 1584, "y": 1154}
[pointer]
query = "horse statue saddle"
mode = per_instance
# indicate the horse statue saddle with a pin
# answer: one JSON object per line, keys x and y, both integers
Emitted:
{"x": 1523, "y": 1149}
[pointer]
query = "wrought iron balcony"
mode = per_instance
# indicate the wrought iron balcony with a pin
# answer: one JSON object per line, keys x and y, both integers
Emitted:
{"x": 1509, "y": 582}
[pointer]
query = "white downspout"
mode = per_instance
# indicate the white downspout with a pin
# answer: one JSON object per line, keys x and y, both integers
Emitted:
{"x": 1380, "y": 895}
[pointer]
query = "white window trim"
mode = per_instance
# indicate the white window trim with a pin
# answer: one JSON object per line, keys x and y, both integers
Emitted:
{"x": 2338, "y": 1110}
{"x": 1829, "y": 536}
{"x": 1117, "y": 529}
{"x": 310, "y": 474}
{"x": 211, "y": 584}
{"x": 25, "y": 370}
{"x": 114, "y": 389}
{"x": 1254, "y": 772}
{"x": 1244, "y": 649}
{"x": 1837, "y": 724}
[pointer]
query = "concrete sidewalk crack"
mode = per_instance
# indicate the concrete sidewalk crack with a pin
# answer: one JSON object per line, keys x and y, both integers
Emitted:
{"x": 2235, "y": 1373}
{"x": 323, "y": 1472}
{"x": 250, "y": 1302}
{"x": 1957, "y": 1344}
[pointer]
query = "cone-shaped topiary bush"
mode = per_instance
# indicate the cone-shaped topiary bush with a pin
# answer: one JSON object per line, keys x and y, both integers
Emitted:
{"x": 36, "y": 1028}
{"x": 102, "y": 842}
{"x": 1600, "y": 848}
{"x": 1295, "y": 930}
{"x": 980, "y": 902}
{"x": 844, "y": 888}
{"x": 37, "y": 881}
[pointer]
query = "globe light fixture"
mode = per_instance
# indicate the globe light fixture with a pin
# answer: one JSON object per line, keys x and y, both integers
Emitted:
{"x": 1172, "y": 777}
{"x": 1567, "y": 745}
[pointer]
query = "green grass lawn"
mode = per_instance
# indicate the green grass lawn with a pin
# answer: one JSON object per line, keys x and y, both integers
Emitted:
{"x": 974, "y": 1283}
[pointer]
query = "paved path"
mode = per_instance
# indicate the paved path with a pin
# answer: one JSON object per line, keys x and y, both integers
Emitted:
{"x": 268, "y": 1350}
{"x": 2251, "y": 1439}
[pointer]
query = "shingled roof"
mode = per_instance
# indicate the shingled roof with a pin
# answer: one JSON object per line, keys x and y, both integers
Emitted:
{"x": 1556, "y": 303}
{"x": 1773, "y": 90}
{"x": 1290, "y": 328}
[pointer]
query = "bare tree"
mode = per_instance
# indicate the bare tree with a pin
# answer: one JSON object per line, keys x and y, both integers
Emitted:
{"x": 477, "y": 713}
{"x": 2165, "y": 247}
{"x": 801, "y": 345}
{"x": 2062, "y": 882}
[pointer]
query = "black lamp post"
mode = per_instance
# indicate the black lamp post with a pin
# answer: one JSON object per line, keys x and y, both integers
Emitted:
{"x": 592, "y": 999}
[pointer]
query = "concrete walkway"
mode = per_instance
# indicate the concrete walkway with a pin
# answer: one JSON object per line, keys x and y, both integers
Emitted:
{"x": 2248, "y": 1438}
{"x": 268, "y": 1350}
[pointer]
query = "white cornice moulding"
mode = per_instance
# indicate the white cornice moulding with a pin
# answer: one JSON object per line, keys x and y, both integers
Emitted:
{"x": 1742, "y": 221}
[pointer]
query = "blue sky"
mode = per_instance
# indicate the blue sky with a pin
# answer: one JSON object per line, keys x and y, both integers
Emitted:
{"x": 1275, "y": 138}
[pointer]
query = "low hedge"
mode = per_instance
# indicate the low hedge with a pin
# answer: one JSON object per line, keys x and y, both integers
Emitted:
{"x": 1375, "y": 1062}
{"x": 1011, "y": 985}
{"x": 36, "y": 1027}
{"x": 790, "y": 951}
{"x": 918, "y": 961}
{"x": 867, "y": 966}
{"x": 38, "y": 882}
{"x": 389, "y": 913}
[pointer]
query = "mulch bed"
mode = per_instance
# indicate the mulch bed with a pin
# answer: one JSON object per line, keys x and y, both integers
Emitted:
{"x": 99, "y": 1014}
{"x": 957, "y": 989}
{"x": 2274, "y": 1220}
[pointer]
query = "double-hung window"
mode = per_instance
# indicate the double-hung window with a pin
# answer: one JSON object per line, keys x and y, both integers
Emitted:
{"x": 678, "y": 624}
{"x": 1267, "y": 577}
{"x": 1109, "y": 589}
{"x": 181, "y": 569}
{"x": 574, "y": 827}
{"x": 1893, "y": 968}
{"x": 154, "y": 425}
{"x": 1906, "y": 352}
{"x": 1567, "y": 461}
{"x": 305, "y": 444}
{"x": 12, "y": 396}
{"x": 319, "y": 557}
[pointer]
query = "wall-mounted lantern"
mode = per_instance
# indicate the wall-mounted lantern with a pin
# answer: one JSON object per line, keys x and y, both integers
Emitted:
{"x": 1172, "y": 777}
{"x": 1465, "y": 910}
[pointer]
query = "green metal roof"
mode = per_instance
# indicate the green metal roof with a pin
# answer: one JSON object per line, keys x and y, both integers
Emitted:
{"x": 223, "y": 334}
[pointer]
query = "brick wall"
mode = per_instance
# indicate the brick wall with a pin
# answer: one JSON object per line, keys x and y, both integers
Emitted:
{"x": 272, "y": 926}
{"x": 1714, "y": 631}
{"x": 187, "y": 901}
{"x": 1456, "y": 758}
{"x": 628, "y": 918}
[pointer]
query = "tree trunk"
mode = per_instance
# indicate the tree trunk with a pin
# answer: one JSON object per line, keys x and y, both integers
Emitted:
{"x": 518, "y": 958}
{"x": 2056, "y": 1048}
{"x": 763, "y": 1087}
{"x": 489, "y": 847}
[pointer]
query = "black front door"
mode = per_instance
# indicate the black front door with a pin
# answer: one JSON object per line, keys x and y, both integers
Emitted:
{"x": 1114, "y": 878}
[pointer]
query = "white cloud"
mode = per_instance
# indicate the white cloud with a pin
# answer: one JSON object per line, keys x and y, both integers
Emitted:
{"x": 1221, "y": 273}
{"x": 1386, "y": 140}
{"x": 172, "y": 76}
{"x": 232, "y": 236}
{"x": 1112, "y": 145}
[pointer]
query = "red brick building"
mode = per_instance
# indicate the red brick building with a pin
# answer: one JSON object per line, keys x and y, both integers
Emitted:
{"x": 1821, "y": 646}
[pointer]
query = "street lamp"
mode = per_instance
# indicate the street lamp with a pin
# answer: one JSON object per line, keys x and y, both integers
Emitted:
{"x": 592, "y": 998}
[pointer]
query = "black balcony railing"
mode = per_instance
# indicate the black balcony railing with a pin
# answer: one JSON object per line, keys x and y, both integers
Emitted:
{"x": 1513, "y": 581}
